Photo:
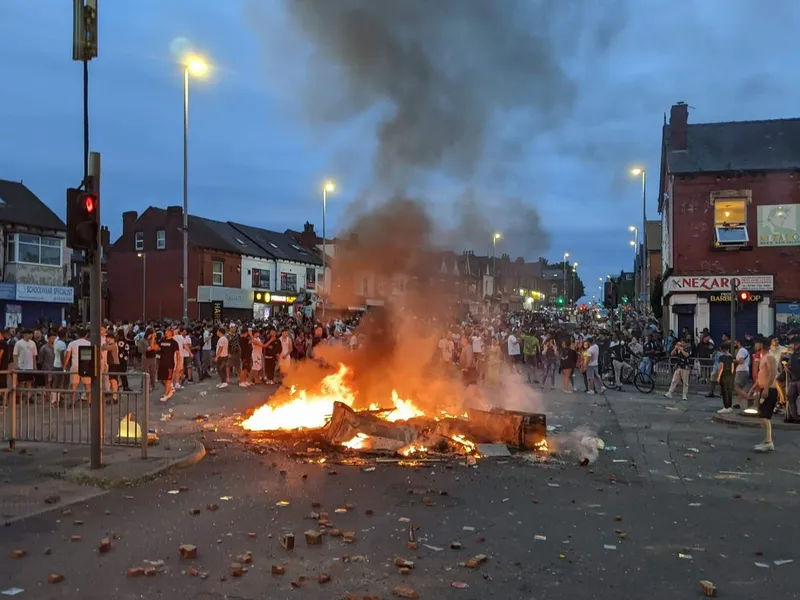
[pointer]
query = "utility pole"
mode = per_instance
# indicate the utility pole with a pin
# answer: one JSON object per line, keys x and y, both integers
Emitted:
{"x": 84, "y": 49}
{"x": 734, "y": 298}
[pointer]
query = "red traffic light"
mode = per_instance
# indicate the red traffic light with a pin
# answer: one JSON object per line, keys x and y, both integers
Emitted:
{"x": 744, "y": 296}
{"x": 89, "y": 203}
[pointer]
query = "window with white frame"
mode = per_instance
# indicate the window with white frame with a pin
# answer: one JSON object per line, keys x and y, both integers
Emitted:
{"x": 161, "y": 239}
{"x": 139, "y": 241}
{"x": 33, "y": 249}
{"x": 730, "y": 222}
{"x": 217, "y": 267}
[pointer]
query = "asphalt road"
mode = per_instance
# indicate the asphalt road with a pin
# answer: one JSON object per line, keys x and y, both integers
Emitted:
{"x": 681, "y": 486}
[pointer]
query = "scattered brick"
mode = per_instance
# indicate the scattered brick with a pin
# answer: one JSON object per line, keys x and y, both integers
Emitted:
{"x": 237, "y": 570}
{"x": 195, "y": 511}
{"x": 187, "y": 551}
{"x": 455, "y": 545}
{"x": 105, "y": 546}
{"x": 251, "y": 534}
{"x": 618, "y": 518}
{"x": 405, "y": 592}
{"x": 412, "y": 545}
{"x": 212, "y": 506}
{"x": 150, "y": 571}
{"x": 135, "y": 572}
{"x": 427, "y": 501}
{"x": 183, "y": 488}
{"x": 75, "y": 538}
{"x": 709, "y": 589}
{"x": 323, "y": 578}
{"x": 405, "y": 571}
{"x": 313, "y": 538}
{"x": 245, "y": 558}
{"x": 349, "y": 506}
{"x": 19, "y": 553}
{"x": 55, "y": 578}
{"x": 48, "y": 551}
{"x": 403, "y": 563}
{"x": 316, "y": 504}
{"x": 737, "y": 496}
{"x": 349, "y": 536}
{"x": 336, "y": 533}
{"x": 278, "y": 570}
{"x": 52, "y": 500}
{"x": 192, "y": 572}
{"x": 287, "y": 541}
{"x": 369, "y": 512}
{"x": 323, "y": 516}
{"x": 294, "y": 583}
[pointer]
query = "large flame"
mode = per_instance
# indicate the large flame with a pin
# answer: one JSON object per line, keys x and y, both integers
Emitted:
{"x": 306, "y": 410}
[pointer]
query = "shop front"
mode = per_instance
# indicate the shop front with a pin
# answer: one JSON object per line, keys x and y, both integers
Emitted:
{"x": 787, "y": 320}
{"x": 696, "y": 302}
{"x": 29, "y": 304}
{"x": 231, "y": 304}
{"x": 267, "y": 304}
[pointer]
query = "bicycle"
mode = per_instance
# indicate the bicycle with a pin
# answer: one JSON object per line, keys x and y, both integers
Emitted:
{"x": 638, "y": 375}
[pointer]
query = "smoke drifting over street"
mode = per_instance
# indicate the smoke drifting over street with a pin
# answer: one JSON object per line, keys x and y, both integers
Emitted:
{"x": 442, "y": 73}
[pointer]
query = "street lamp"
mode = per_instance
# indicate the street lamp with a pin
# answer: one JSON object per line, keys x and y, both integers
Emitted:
{"x": 574, "y": 277}
{"x": 566, "y": 256}
{"x": 640, "y": 172}
{"x": 327, "y": 188}
{"x": 495, "y": 237}
{"x": 143, "y": 256}
{"x": 196, "y": 66}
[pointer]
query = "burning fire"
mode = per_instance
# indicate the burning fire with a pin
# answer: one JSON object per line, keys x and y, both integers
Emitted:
{"x": 357, "y": 442}
{"x": 541, "y": 446}
{"x": 306, "y": 410}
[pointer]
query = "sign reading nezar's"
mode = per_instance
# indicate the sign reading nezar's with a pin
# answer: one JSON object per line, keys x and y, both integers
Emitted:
{"x": 718, "y": 283}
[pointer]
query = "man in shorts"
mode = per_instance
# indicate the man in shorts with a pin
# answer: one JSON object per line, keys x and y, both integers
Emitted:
{"x": 767, "y": 383}
{"x": 169, "y": 357}
{"x": 71, "y": 359}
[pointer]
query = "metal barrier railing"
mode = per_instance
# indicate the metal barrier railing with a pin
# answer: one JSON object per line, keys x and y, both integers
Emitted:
{"x": 701, "y": 372}
{"x": 55, "y": 406}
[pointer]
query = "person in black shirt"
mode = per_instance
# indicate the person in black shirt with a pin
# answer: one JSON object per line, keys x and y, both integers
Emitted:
{"x": 246, "y": 352}
{"x": 793, "y": 389}
{"x": 681, "y": 355}
{"x": 569, "y": 359}
{"x": 124, "y": 356}
{"x": 271, "y": 350}
{"x": 169, "y": 354}
{"x": 619, "y": 356}
{"x": 725, "y": 378}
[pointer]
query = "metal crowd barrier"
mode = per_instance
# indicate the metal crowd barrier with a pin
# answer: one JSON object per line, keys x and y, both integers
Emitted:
{"x": 701, "y": 372}
{"x": 48, "y": 406}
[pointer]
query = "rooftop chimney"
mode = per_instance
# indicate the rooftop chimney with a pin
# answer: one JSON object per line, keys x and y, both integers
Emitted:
{"x": 678, "y": 120}
{"x": 308, "y": 227}
{"x": 128, "y": 219}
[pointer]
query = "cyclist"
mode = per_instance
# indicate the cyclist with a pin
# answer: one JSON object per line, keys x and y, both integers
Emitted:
{"x": 619, "y": 357}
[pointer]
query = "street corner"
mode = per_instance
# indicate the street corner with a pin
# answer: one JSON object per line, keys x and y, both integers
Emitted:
{"x": 125, "y": 467}
{"x": 751, "y": 420}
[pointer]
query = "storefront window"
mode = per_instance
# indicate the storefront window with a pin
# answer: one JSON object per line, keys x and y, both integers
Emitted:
{"x": 311, "y": 276}
{"x": 261, "y": 278}
{"x": 787, "y": 319}
{"x": 288, "y": 282}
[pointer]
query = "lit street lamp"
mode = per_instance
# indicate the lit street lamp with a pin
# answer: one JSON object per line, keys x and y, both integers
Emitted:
{"x": 328, "y": 188}
{"x": 196, "y": 66}
{"x": 143, "y": 256}
{"x": 495, "y": 237}
{"x": 566, "y": 256}
{"x": 639, "y": 172}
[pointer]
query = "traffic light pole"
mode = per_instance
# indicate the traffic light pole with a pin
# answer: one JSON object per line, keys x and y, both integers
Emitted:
{"x": 95, "y": 319}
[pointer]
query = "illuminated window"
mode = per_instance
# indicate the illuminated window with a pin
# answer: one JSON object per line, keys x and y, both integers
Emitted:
{"x": 730, "y": 222}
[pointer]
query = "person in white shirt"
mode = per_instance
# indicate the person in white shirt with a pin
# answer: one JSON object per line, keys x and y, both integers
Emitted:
{"x": 71, "y": 359}
{"x": 285, "y": 358}
{"x": 60, "y": 349}
{"x": 742, "y": 373}
{"x": 206, "y": 355}
{"x": 447, "y": 348}
{"x": 592, "y": 374}
{"x": 514, "y": 354}
{"x": 25, "y": 354}
{"x": 222, "y": 358}
{"x": 177, "y": 374}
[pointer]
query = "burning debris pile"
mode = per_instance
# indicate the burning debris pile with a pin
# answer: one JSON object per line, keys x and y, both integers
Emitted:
{"x": 401, "y": 428}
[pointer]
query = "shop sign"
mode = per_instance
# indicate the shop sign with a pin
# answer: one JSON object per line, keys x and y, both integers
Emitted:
{"x": 718, "y": 283}
{"x": 8, "y": 291}
{"x": 30, "y": 292}
{"x": 281, "y": 299}
{"x": 727, "y": 298}
{"x": 216, "y": 309}
{"x": 779, "y": 225}
{"x": 231, "y": 297}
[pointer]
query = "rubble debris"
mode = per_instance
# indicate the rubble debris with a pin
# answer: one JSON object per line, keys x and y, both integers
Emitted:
{"x": 336, "y": 533}
{"x": 278, "y": 570}
{"x": 780, "y": 563}
{"x": 709, "y": 589}
{"x": 212, "y": 507}
{"x": 412, "y": 545}
{"x": 150, "y": 571}
{"x": 403, "y": 563}
{"x": 237, "y": 570}
{"x": 618, "y": 518}
{"x": 252, "y": 534}
{"x": 187, "y": 551}
{"x": 476, "y": 561}
{"x": 349, "y": 537}
{"x": 369, "y": 512}
{"x": 346, "y": 424}
{"x": 294, "y": 583}
{"x": 105, "y": 546}
{"x": 405, "y": 592}
{"x": 135, "y": 571}
{"x": 192, "y": 572}
{"x": 323, "y": 578}
{"x": 316, "y": 504}
{"x": 75, "y": 538}
{"x": 55, "y": 578}
{"x": 434, "y": 548}
{"x": 459, "y": 585}
{"x": 52, "y": 499}
{"x": 313, "y": 538}
{"x": 287, "y": 541}
{"x": 48, "y": 551}
{"x": 245, "y": 558}
{"x": 19, "y": 553}
{"x": 455, "y": 545}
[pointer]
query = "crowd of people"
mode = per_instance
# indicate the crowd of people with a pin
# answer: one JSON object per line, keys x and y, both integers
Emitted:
{"x": 542, "y": 346}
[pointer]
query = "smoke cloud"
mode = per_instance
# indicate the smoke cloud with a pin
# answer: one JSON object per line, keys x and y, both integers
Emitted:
{"x": 446, "y": 77}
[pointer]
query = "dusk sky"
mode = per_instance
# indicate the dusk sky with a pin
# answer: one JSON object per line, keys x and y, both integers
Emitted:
{"x": 539, "y": 128}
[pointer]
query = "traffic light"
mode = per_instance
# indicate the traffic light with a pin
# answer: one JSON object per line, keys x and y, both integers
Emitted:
{"x": 744, "y": 296}
{"x": 560, "y": 300}
{"x": 624, "y": 299}
{"x": 83, "y": 210}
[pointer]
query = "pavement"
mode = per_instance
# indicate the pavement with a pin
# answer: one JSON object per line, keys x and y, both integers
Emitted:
{"x": 670, "y": 502}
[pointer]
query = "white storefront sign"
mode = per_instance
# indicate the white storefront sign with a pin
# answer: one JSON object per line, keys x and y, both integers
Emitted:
{"x": 30, "y": 292}
{"x": 718, "y": 283}
{"x": 230, "y": 297}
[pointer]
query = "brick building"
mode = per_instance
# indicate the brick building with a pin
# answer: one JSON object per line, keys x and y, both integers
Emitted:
{"x": 245, "y": 270}
{"x": 729, "y": 199}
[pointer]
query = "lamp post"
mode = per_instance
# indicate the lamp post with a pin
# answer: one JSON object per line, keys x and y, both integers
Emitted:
{"x": 495, "y": 237}
{"x": 143, "y": 256}
{"x": 564, "y": 286}
{"x": 198, "y": 67}
{"x": 574, "y": 277}
{"x": 639, "y": 172}
{"x": 329, "y": 187}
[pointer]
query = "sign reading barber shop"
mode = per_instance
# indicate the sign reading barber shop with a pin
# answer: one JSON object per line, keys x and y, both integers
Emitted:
{"x": 718, "y": 283}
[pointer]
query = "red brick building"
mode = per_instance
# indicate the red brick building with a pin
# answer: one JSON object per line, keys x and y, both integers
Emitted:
{"x": 729, "y": 199}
